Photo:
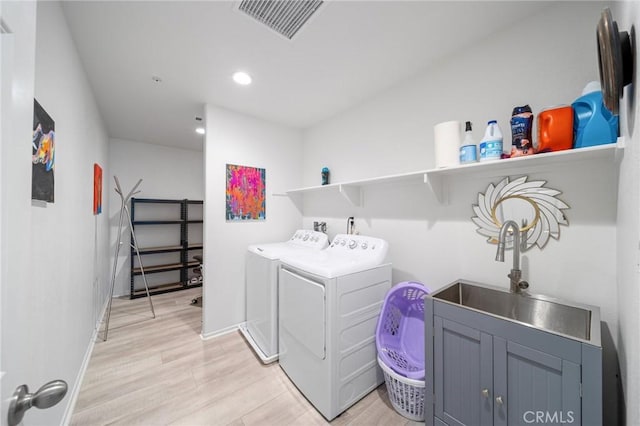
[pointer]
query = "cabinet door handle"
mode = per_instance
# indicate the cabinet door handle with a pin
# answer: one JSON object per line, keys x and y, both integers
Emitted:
{"x": 499, "y": 400}
{"x": 485, "y": 393}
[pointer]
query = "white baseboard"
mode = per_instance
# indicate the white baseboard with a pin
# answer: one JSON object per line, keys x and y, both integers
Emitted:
{"x": 220, "y": 332}
{"x": 73, "y": 397}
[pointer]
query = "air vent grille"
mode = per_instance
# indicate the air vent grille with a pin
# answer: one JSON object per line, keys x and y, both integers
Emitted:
{"x": 286, "y": 17}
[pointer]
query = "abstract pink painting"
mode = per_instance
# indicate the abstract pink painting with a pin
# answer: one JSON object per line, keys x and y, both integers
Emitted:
{"x": 245, "y": 194}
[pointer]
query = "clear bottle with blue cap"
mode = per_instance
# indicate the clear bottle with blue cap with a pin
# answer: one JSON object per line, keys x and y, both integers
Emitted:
{"x": 468, "y": 150}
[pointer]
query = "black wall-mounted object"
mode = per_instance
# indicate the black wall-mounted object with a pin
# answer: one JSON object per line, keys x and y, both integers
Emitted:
{"x": 615, "y": 60}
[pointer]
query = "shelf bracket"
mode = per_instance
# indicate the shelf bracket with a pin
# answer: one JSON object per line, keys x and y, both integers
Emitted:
{"x": 436, "y": 184}
{"x": 353, "y": 194}
{"x": 620, "y": 146}
{"x": 295, "y": 197}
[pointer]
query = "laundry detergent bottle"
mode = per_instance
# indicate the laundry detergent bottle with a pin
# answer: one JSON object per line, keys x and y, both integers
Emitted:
{"x": 593, "y": 123}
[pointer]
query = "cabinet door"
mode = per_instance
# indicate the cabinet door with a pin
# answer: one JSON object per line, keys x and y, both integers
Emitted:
{"x": 463, "y": 374}
{"x": 534, "y": 386}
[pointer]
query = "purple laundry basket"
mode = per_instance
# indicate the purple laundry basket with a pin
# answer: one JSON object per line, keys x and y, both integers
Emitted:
{"x": 400, "y": 330}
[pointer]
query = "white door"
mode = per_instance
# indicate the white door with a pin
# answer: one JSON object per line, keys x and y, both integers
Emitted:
{"x": 6, "y": 57}
{"x": 19, "y": 329}
{"x": 6, "y": 54}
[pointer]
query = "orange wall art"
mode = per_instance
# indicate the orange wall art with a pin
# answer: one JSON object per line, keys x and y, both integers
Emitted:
{"x": 97, "y": 189}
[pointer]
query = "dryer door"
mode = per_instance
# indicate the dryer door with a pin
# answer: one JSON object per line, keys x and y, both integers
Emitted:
{"x": 302, "y": 312}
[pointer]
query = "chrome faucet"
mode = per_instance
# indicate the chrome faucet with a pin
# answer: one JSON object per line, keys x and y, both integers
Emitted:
{"x": 350, "y": 224}
{"x": 320, "y": 227}
{"x": 516, "y": 283}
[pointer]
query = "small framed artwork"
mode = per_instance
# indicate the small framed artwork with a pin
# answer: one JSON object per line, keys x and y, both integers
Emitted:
{"x": 42, "y": 155}
{"x": 245, "y": 195}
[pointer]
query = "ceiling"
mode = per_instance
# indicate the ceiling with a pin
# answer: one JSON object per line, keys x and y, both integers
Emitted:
{"x": 347, "y": 52}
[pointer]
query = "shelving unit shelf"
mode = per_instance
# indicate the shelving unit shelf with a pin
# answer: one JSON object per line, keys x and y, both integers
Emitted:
{"x": 183, "y": 250}
{"x": 435, "y": 178}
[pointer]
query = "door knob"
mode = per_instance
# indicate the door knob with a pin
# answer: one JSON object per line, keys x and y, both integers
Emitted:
{"x": 499, "y": 400}
{"x": 47, "y": 396}
{"x": 485, "y": 393}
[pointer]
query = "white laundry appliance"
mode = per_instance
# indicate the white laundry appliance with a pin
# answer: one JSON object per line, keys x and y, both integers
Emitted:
{"x": 261, "y": 280}
{"x": 329, "y": 305}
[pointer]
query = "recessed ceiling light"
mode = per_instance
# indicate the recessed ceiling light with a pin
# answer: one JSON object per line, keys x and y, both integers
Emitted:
{"x": 200, "y": 130}
{"x": 242, "y": 78}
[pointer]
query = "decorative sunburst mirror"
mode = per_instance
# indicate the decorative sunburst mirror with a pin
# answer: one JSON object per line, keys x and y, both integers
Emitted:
{"x": 530, "y": 204}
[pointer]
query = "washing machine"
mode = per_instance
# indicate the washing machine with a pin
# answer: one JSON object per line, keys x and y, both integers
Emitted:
{"x": 261, "y": 281}
{"x": 329, "y": 305}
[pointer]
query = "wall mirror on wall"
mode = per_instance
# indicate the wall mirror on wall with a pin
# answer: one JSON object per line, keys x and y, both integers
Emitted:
{"x": 530, "y": 204}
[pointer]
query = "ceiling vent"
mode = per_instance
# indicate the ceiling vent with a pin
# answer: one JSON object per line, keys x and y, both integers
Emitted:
{"x": 286, "y": 17}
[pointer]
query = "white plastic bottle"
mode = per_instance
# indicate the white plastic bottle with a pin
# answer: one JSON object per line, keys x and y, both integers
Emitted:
{"x": 468, "y": 150}
{"x": 491, "y": 143}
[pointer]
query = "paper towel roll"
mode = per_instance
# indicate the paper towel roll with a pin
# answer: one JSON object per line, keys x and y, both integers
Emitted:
{"x": 447, "y": 143}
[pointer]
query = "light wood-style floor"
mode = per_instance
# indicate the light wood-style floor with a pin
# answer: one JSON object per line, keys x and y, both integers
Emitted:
{"x": 160, "y": 372}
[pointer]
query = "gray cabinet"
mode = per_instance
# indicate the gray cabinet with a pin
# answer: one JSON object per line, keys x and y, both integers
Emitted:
{"x": 490, "y": 371}
{"x": 463, "y": 367}
{"x": 531, "y": 383}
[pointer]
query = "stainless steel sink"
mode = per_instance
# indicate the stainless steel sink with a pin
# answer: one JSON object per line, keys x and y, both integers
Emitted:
{"x": 573, "y": 320}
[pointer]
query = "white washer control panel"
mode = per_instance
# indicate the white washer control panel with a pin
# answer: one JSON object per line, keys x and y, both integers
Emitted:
{"x": 308, "y": 238}
{"x": 359, "y": 246}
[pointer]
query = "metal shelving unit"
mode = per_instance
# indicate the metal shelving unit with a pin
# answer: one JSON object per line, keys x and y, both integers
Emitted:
{"x": 183, "y": 249}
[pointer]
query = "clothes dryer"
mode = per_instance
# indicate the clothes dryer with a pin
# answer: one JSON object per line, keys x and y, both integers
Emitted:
{"x": 261, "y": 281}
{"x": 329, "y": 305}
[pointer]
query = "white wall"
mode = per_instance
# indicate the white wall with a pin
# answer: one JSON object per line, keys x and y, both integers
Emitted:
{"x": 166, "y": 172}
{"x": 239, "y": 139}
{"x": 545, "y": 60}
{"x": 627, "y": 15}
{"x": 392, "y": 133}
{"x": 55, "y": 261}
{"x": 539, "y": 62}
